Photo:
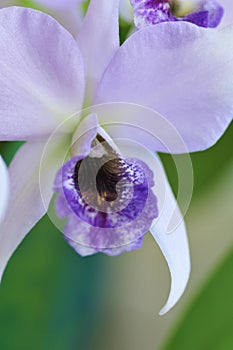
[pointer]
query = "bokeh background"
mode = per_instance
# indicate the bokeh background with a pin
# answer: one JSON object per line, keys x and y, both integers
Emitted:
{"x": 52, "y": 299}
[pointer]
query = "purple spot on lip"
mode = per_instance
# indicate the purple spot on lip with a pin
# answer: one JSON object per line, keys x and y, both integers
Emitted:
{"x": 209, "y": 14}
{"x": 150, "y": 12}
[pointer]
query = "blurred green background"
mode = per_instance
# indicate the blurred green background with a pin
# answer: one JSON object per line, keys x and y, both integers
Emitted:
{"x": 50, "y": 298}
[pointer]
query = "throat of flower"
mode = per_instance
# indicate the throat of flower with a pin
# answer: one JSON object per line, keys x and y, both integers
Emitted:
{"x": 100, "y": 172}
{"x": 100, "y": 189}
{"x": 104, "y": 184}
{"x": 180, "y": 8}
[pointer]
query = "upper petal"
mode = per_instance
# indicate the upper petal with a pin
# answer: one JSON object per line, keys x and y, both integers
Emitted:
{"x": 4, "y": 188}
{"x": 181, "y": 71}
{"x": 31, "y": 190}
{"x": 41, "y": 74}
{"x": 99, "y": 38}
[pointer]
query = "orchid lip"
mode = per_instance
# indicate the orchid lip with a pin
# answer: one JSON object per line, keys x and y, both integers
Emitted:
{"x": 107, "y": 199}
{"x": 114, "y": 199}
{"x": 105, "y": 186}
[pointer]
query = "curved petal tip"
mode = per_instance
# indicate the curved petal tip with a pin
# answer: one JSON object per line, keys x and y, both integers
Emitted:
{"x": 175, "y": 249}
{"x": 179, "y": 281}
{"x": 173, "y": 243}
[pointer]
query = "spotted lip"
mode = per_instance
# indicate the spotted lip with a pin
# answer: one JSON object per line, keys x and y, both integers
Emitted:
{"x": 107, "y": 199}
{"x": 108, "y": 195}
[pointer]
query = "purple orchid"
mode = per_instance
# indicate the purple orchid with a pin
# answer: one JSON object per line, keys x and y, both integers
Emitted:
{"x": 204, "y": 13}
{"x": 90, "y": 92}
{"x": 111, "y": 204}
{"x": 4, "y": 188}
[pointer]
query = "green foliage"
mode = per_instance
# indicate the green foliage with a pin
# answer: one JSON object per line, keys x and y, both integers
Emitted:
{"x": 208, "y": 322}
{"x": 85, "y": 5}
{"x": 28, "y": 3}
{"x": 49, "y": 295}
{"x": 125, "y": 27}
{"x": 8, "y": 149}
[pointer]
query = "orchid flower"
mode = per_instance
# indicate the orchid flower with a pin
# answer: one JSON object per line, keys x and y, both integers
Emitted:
{"x": 72, "y": 101}
{"x": 4, "y": 188}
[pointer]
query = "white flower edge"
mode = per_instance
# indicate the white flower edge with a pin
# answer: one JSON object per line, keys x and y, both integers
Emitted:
{"x": 4, "y": 188}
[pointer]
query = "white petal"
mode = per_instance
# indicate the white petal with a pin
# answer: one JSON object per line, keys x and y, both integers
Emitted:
{"x": 169, "y": 228}
{"x": 4, "y": 188}
{"x": 170, "y": 233}
{"x": 126, "y": 10}
{"x": 26, "y": 205}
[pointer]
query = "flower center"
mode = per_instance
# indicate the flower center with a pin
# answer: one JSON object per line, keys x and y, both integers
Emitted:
{"x": 105, "y": 189}
{"x": 107, "y": 199}
{"x": 108, "y": 174}
{"x": 180, "y": 8}
{"x": 102, "y": 176}
{"x": 105, "y": 181}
